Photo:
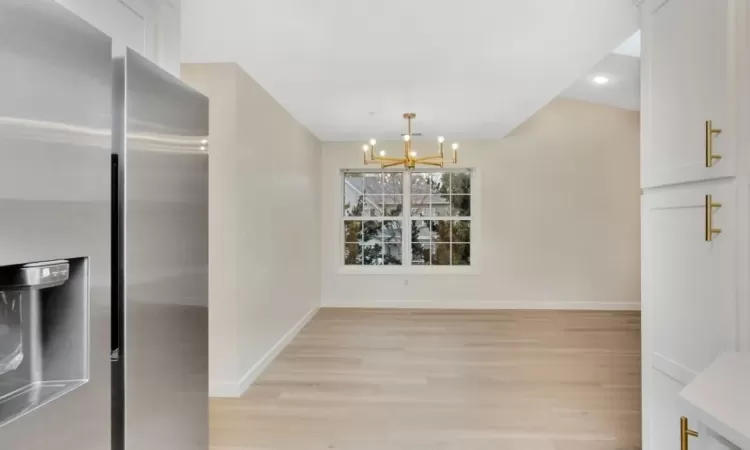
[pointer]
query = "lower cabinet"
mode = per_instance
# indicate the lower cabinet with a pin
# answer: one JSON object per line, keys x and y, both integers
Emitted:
{"x": 666, "y": 410}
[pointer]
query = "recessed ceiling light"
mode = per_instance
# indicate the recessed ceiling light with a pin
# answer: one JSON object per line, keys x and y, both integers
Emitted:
{"x": 601, "y": 79}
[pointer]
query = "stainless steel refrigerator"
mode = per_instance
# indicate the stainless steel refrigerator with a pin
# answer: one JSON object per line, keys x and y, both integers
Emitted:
{"x": 103, "y": 242}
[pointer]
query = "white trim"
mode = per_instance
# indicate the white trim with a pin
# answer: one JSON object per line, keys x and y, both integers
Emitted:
{"x": 408, "y": 270}
{"x": 672, "y": 369}
{"x": 489, "y": 305}
{"x": 146, "y": 11}
{"x": 238, "y": 388}
{"x": 223, "y": 389}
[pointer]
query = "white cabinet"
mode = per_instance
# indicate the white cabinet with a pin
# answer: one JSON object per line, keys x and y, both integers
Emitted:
{"x": 691, "y": 282}
{"x": 168, "y": 35}
{"x": 688, "y": 79}
{"x": 689, "y": 295}
{"x": 695, "y": 67}
{"x": 666, "y": 409}
{"x": 150, "y": 27}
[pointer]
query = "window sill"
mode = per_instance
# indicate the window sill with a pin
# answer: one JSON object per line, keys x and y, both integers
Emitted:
{"x": 408, "y": 270}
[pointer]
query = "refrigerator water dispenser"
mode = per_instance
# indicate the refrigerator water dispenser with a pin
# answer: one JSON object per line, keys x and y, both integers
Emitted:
{"x": 43, "y": 329}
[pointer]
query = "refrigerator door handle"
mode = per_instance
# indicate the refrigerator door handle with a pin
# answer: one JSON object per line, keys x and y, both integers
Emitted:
{"x": 116, "y": 266}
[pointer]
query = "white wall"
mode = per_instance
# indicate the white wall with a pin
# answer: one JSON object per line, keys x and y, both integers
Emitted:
{"x": 559, "y": 204}
{"x": 151, "y": 27}
{"x": 264, "y": 222}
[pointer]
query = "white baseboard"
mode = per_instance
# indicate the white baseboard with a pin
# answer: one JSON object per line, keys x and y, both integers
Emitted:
{"x": 223, "y": 389}
{"x": 236, "y": 389}
{"x": 411, "y": 304}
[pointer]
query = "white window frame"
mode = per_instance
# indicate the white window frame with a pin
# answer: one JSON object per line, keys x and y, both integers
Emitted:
{"x": 406, "y": 268}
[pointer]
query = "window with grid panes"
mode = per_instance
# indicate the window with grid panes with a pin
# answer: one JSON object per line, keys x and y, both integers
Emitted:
{"x": 434, "y": 207}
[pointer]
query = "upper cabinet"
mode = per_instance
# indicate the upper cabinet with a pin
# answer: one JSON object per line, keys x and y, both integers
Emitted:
{"x": 689, "y": 73}
{"x": 150, "y": 27}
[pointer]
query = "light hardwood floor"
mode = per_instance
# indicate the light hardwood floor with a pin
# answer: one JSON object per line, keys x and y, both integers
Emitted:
{"x": 445, "y": 380}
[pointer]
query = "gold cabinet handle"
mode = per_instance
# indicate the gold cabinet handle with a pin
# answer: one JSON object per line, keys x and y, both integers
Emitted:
{"x": 710, "y": 155}
{"x": 710, "y": 206}
{"x": 685, "y": 433}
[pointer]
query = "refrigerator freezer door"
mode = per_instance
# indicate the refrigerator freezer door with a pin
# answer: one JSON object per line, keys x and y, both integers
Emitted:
{"x": 55, "y": 146}
{"x": 164, "y": 207}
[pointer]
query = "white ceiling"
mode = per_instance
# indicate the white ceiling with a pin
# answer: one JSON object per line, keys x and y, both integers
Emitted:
{"x": 470, "y": 69}
{"x": 623, "y": 89}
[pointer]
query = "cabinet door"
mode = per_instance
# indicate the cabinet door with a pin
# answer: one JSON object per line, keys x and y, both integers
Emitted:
{"x": 689, "y": 292}
{"x": 168, "y": 34}
{"x": 666, "y": 411}
{"x": 687, "y": 80}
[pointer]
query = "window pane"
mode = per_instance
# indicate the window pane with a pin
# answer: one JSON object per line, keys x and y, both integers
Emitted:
{"x": 420, "y": 254}
{"x": 441, "y": 255}
{"x": 420, "y": 231}
{"x": 420, "y": 183}
{"x": 461, "y": 205}
{"x": 353, "y": 204}
{"x": 461, "y": 231}
{"x": 393, "y": 183}
{"x": 442, "y": 230}
{"x": 373, "y": 254}
{"x": 441, "y": 205}
{"x": 440, "y": 183}
{"x": 352, "y": 254}
{"x": 461, "y": 182}
{"x": 354, "y": 182}
{"x": 373, "y": 206}
{"x": 392, "y": 231}
{"x": 394, "y": 205}
{"x": 392, "y": 255}
{"x": 378, "y": 195}
{"x": 372, "y": 231}
{"x": 352, "y": 231}
{"x": 461, "y": 254}
{"x": 373, "y": 183}
{"x": 420, "y": 205}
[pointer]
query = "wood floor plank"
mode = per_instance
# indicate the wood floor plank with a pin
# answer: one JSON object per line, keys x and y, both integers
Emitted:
{"x": 359, "y": 379}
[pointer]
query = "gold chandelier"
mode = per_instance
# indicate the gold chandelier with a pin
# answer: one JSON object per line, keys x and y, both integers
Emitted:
{"x": 410, "y": 159}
